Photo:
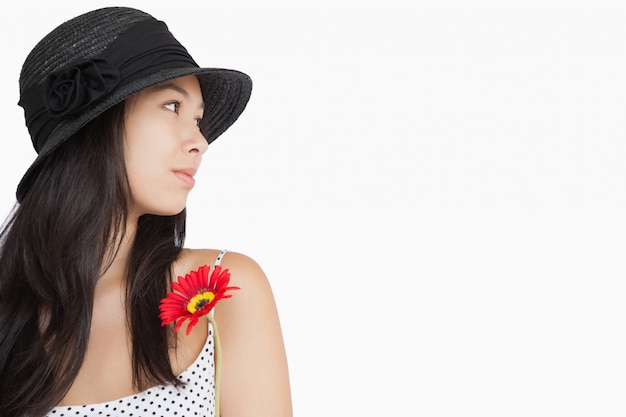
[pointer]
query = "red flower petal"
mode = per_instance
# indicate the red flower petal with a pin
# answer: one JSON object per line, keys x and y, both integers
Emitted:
{"x": 174, "y": 306}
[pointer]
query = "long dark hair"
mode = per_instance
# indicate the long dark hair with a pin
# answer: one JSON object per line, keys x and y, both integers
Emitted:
{"x": 54, "y": 246}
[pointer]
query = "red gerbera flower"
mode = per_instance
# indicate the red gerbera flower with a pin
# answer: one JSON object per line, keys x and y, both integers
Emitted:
{"x": 194, "y": 296}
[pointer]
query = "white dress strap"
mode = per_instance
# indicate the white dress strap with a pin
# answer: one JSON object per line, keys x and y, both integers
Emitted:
{"x": 220, "y": 255}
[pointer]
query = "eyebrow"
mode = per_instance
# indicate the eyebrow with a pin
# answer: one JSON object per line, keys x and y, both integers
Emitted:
{"x": 175, "y": 87}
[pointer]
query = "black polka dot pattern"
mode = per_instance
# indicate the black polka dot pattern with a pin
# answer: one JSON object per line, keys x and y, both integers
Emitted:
{"x": 195, "y": 398}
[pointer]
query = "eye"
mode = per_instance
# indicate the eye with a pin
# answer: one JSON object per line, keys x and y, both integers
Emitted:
{"x": 173, "y": 106}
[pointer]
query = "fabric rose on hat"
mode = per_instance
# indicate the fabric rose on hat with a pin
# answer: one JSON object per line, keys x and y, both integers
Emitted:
{"x": 76, "y": 87}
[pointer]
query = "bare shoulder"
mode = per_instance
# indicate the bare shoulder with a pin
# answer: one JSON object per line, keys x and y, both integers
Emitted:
{"x": 255, "y": 379}
{"x": 253, "y": 298}
{"x": 244, "y": 270}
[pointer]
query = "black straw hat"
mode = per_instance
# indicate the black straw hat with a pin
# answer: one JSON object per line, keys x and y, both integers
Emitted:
{"x": 98, "y": 59}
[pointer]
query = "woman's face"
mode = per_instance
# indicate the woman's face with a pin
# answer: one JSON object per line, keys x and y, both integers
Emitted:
{"x": 163, "y": 145}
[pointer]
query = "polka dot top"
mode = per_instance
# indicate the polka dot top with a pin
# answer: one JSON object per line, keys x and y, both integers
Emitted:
{"x": 195, "y": 398}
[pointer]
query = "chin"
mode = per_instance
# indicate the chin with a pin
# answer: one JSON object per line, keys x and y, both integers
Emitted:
{"x": 171, "y": 210}
{"x": 167, "y": 212}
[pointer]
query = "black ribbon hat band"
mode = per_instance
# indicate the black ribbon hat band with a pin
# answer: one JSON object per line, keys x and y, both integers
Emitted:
{"x": 141, "y": 50}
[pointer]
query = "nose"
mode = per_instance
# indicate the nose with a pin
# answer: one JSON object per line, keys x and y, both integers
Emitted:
{"x": 195, "y": 141}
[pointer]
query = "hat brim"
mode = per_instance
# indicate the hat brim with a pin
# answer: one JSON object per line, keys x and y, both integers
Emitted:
{"x": 225, "y": 93}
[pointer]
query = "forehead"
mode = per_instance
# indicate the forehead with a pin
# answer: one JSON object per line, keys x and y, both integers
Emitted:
{"x": 188, "y": 87}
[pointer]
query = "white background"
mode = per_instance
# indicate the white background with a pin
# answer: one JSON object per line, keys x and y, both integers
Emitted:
{"x": 435, "y": 189}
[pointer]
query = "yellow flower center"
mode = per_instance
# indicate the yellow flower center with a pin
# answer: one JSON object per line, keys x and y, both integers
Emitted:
{"x": 199, "y": 301}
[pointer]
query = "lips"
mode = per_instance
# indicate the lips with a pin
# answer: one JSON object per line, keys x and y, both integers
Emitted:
{"x": 186, "y": 176}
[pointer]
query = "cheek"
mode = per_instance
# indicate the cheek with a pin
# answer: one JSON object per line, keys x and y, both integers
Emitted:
{"x": 143, "y": 130}
{"x": 147, "y": 148}
{"x": 142, "y": 164}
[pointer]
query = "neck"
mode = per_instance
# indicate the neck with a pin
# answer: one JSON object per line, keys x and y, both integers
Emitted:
{"x": 114, "y": 274}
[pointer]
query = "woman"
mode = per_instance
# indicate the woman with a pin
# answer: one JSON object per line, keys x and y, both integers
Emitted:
{"x": 102, "y": 310}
